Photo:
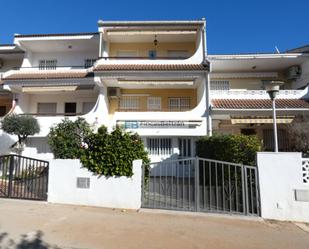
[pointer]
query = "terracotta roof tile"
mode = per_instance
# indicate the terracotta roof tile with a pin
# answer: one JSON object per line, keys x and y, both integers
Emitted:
{"x": 151, "y": 67}
{"x": 258, "y": 103}
{"x": 47, "y": 75}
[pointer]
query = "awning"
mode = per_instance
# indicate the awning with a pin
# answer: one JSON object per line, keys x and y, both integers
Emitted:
{"x": 261, "y": 120}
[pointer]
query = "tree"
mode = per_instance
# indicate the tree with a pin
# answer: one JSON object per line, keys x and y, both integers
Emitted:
{"x": 66, "y": 138}
{"x": 112, "y": 154}
{"x": 20, "y": 125}
{"x": 298, "y": 132}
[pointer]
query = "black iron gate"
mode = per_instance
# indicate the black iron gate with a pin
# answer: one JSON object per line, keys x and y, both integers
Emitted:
{"x": 23, "y": 177}
{"x": 199, "y": 184}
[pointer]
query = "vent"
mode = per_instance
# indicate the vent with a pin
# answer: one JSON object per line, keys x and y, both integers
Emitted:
{"x": 83, "y": 182}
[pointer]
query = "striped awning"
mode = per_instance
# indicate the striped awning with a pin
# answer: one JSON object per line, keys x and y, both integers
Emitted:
{"x": 261, "y": 120}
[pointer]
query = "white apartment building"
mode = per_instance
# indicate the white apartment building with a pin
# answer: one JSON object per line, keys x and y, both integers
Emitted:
{"x": 150, "y": 77}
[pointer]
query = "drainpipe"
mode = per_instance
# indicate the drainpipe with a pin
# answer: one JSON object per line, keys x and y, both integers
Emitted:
{"x": 207, "y": 80}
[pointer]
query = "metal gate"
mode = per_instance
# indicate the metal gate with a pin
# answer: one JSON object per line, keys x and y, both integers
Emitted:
{"x": 201, "y": 185}
{"x": 23, "y": 177}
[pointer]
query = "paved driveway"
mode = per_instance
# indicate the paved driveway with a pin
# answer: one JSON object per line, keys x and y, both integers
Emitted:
{"x": 26, "y": 224}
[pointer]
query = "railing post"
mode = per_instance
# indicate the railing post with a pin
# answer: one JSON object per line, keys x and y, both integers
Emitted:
{"x": 11, "y": 169}
{"x": 197, "y": 184}
{"x": 143, "y": 184}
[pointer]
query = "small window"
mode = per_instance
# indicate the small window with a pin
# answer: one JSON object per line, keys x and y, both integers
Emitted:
{"x": 248, "y": 132}
{"x": 47, "y": 108}
{"x": 129, "y": 103}
{"x": 152, "y": 54}
{"x": 70, "y": 109}
{"x": 87, "y": 107}
{"x": 2, "y": 111}
{"x": 179, "y": 103}
{"x": 89, "y": 62}
{"x": 159, "y": 146}
{"x": 154, "y": 103}
{"x": 219, "y": 85}
{"x": 47, "y": 64}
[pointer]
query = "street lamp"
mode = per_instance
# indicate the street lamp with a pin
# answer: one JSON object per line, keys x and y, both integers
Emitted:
{"x": 272, "y": 88}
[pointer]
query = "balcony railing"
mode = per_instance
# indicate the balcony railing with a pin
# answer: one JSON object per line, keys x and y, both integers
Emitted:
{"x": 144, "y": 58}
{"x": 255, "y": 94}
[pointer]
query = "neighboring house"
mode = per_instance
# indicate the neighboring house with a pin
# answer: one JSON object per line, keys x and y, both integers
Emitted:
{"x": 149, "y": 77}
{"x": 11, "y": 56}
{"x": 239, "y": 103}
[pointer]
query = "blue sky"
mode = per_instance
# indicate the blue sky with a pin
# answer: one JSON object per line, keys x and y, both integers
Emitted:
{"x": 233, "y": 26}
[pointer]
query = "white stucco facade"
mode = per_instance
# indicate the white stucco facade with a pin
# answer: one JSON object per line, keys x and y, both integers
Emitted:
{"x": 283, "y": 193}
{"x": 112, "y": 192}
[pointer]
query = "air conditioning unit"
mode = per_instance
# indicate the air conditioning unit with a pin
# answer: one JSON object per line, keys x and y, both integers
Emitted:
{"x": 113, "y": 92}
{"x": 294, "y": 72}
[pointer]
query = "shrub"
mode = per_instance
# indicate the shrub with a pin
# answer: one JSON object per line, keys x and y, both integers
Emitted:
{"x": 66, "y": 138}
{"x": 230, "y": 148}
{"x": 112, "y": 154}
{"x": 20, "y": 125}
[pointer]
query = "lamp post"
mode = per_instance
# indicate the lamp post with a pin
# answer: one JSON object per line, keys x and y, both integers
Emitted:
{"x": 272, "y": 89}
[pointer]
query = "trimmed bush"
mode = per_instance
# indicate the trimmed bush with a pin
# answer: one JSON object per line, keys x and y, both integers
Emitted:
{"x": 20, "y": 125}
{"x": 112, "y": 154}
{"x": 230, "y": 148}
{"x": 66, "y": 138}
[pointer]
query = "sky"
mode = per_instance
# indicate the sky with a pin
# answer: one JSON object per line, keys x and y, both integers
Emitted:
{"x": 234, "y": 26}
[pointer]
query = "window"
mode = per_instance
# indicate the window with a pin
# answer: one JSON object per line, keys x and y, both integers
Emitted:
{"x": 159, "y": 146}
{"x": 47, "y": 108}
{"x": 152, "y": 54}
{"x": 70, "y": 108}
{"x": 248, "y": 132}
{"x": 126, "y": 53}
{"x": 2, "y": 110}
{"x": 219, "y": 85}
{"x": 47, "y": 64}
{"x": 154, "y": 103}
{"x": 178, "y": 54}
{"x": 179, "y": 103}
{"x": 89, "y": 62}
{"x": 268, "y": 140}
{"x": 87, "y": 107}
{"x": 129, "y": 103}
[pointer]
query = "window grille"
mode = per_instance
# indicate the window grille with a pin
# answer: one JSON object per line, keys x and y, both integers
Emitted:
{"x": 47, "y": 64}
{"x": 159, "y": 146}
{"x": 179, "y": 104}
{"x": 129, "y": 103}
{"x": 219, "y": 85}
{"x": 154, "y": 103}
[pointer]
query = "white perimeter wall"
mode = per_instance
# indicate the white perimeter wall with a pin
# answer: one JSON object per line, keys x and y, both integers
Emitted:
{"x": 112, "y": 192}
{"x": 280, "y": 174}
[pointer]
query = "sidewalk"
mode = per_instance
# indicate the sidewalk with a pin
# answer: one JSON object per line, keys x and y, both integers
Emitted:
{"x": 63, "y": 226}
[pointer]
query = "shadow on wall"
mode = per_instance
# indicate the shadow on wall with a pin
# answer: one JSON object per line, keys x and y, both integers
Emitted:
{"x": 6, "y": 141}
{"x": 30, "y": 241}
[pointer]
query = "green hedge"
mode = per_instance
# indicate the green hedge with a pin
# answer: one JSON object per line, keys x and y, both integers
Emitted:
{"x": 112, "y": 154}
{"x": 230, "y": 148}
{"x": 65, "y": 139}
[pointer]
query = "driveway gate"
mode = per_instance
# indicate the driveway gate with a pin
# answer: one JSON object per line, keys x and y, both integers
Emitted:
{"x": 201, "y": 185}
{"x": 23, "y": 177}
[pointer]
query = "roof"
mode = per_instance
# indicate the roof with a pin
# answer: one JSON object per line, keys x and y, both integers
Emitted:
{"x": 302, "y": 49}
{"x": 259, "y": 104}
{"x": 48, "y": 75}
{"x": 59, "y": 34}
{"x": 102, "y": 23}
{"x": 151, "y": 67}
